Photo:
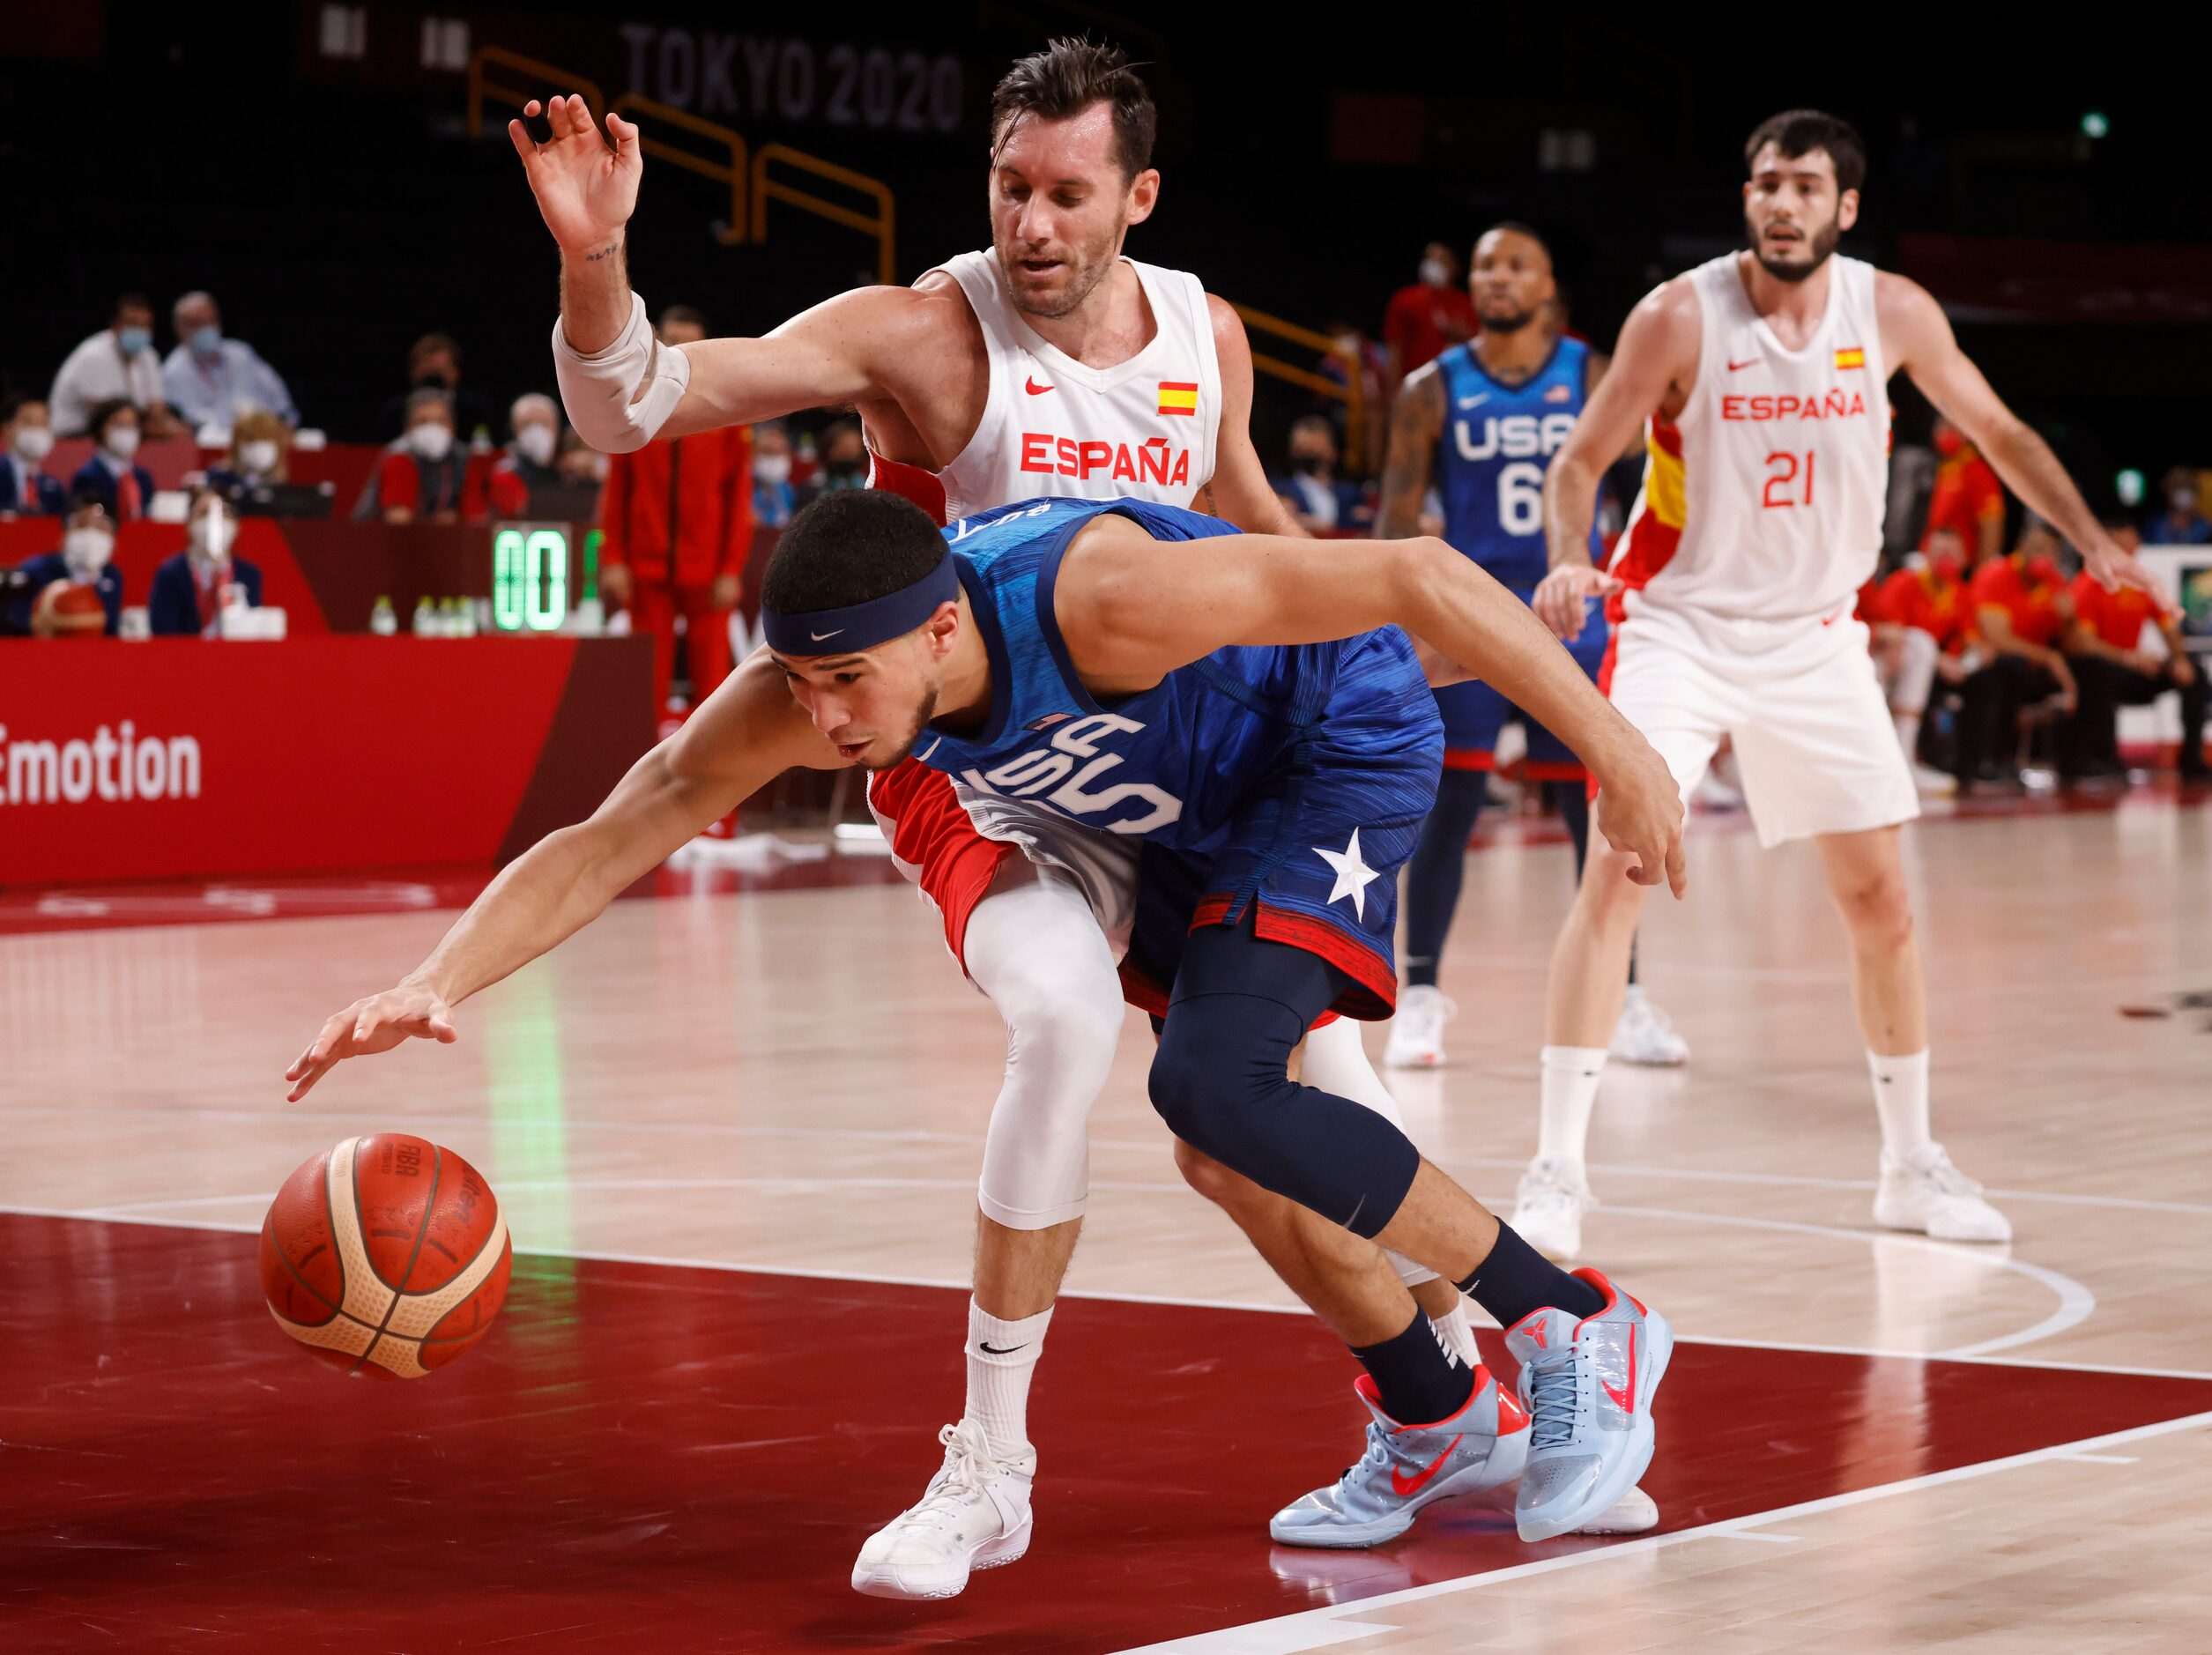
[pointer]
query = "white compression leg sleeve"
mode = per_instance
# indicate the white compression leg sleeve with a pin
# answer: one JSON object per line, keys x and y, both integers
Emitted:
{"x": 1336, "y": 1062}
{"x": 1035, "y": 948}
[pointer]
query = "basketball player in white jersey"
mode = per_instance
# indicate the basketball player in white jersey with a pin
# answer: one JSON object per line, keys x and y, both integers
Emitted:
{"x": 1048, "y": 364}
{"x": 1764, "y": 375}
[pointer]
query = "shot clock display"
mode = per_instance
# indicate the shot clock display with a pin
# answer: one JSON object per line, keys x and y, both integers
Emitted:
{"x": 531, "y": 586}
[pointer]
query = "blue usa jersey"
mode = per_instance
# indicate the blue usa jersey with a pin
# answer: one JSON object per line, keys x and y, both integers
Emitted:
{"x": 1174, "y": 763}
{"x": 1498, "y": 440}
{"x": 1289, "y": 778}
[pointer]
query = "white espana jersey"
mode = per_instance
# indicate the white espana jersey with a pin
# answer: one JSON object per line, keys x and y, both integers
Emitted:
{"x": 1764, "y": 500}
{"x": 1143, "y": 429}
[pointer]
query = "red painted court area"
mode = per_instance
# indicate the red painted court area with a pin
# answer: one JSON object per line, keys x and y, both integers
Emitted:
{"x": 650, "y": 1458}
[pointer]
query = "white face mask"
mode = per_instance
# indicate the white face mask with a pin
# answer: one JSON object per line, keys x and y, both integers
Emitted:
{"x": 210, "y": 538}
{"x": 431, "y": 442}
{"x": 33, "y": 443}
{"x": 534, "y": 443}
{"x": 772, "y": 468}
{"x": 122, "y": 441}
{"x": 86, "y": 551}
{"x": 259, "y": 457}
{"x": 1434, "y": 271}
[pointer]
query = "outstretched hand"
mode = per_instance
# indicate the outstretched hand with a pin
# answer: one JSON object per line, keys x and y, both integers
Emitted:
{"x": 586, "y": 190}
{"x": 410, "y": 1011}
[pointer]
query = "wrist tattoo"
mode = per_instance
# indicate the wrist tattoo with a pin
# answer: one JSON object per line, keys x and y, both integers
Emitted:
{"x": 608, "y": 251}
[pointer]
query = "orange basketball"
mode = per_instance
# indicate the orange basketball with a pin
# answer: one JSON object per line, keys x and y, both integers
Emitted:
{"x": 385, "y": 1255}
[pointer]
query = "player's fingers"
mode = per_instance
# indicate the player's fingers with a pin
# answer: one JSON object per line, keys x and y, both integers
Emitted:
{"x": 519, "y": 135}
{"x": 624, "y": 134}
{"x": 533, "y": 107}
{"x": 1677, "y": 867}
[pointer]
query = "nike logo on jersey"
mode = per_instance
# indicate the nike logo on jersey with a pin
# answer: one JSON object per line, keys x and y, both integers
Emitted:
{"x": 1033, "y": 388}
{"x": 1747, "y": 362}
{"x": 1474, "y": 402}
{"x": 819, "y": 636}
{"x": 1406, "y": 1488}
{"x": 996, "y": 1350}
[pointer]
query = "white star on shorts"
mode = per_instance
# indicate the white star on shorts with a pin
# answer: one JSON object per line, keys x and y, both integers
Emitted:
{"x": 1353, "y": 876}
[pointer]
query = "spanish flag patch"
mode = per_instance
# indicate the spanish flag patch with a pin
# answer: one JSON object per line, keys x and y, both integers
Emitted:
{"x": 1851, "y": 356}
{"x": 1178, "y": 396}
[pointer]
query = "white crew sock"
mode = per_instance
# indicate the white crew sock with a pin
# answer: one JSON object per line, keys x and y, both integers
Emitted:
{"x": 1458, "y": 1334}
{"x": 1001, "y": 1356}
{"x": 1901, "y": 1099}
{"x": 1570, "y": 1092}
{"x": 1908, "y": 734}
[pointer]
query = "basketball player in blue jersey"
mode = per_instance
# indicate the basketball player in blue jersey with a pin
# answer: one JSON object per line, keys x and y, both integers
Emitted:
{"x": 1487, "y": 416}
{"x": 1258, "y": 721}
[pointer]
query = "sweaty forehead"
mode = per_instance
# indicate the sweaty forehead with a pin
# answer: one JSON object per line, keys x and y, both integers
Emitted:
{"x": 1080, "y": 148}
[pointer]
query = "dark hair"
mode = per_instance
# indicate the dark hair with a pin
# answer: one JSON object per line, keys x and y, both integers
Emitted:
{"x": 130, "y": 301}
{"x": 1514, "y": 227}
{"x": 431, "y": 345}
{"x": 1067, "y": 78}
{"x": 684, "y": 313}
{"x": 1796, "y": 132}
{"x": 849, "y": 547}
{"x": 96, "y": 426}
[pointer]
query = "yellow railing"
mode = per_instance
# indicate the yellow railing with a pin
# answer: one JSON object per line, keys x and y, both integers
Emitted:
{"x": 735, "y": 172}
{"x": 883, "y": 227}
{"x": 1352, "y": 393}
{"x": 746, "y": 171}
{"x": 553, "y": 81}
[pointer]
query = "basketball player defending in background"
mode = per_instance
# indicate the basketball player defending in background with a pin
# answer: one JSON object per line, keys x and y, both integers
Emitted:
{"x": 1049, "y": 365}
{"x": 1486, "y": 417}
{"x": 1731, "y": 595}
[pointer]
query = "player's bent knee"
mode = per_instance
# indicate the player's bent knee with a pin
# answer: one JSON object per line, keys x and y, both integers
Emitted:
{"x": 1210, "y": 1178}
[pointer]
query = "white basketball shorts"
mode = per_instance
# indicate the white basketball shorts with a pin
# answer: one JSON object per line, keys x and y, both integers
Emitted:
{"x": 1799, "y": 701}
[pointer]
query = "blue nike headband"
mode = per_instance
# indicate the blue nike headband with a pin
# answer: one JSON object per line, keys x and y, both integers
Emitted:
{"x": 859, "y": 626}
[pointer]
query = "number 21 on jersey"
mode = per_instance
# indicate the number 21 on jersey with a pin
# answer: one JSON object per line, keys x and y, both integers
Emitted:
{"x": 1789, "y": 479}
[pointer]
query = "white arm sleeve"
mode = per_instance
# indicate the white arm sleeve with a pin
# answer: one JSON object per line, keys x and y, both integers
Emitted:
{"x": 618, "y": 398}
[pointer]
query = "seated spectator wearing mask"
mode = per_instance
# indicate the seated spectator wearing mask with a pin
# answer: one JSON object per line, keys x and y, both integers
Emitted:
{"x": 2021, "y": 608}
{"x": 1921, "y": 620}
{"x": 76, "y": 591}
{"x": 844, "y": 456}
{"x": 213, "y": 381}
{"x": 434, "y": 363}
{"x": 2102, "y": 643}
{"x": 529, "y": 465}
{"x": 191, "y": 590}
{"x": 260, "y": 457}
{"x": 422, "y": 477}
{"x": 1434, "y": 313}
{"x": 26, "y": 490}
{"x": 1322, "y": 502}
{"x": 775, "y": 496}
{"x": 1967, "y": 500}
{"x": 112, "y": 477}
{"x": 117, "y": 364}
{"x": 2181, "y": 523}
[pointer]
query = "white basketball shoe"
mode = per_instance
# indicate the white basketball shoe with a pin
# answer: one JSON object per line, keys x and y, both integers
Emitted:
{"x": 1416, "y": 1032}
{"x": 1922, "y": 1190}
{"x": 1548, "y": 1208}
{"x": 1645, "y": 1035}
{"x": 976, "y": 1514}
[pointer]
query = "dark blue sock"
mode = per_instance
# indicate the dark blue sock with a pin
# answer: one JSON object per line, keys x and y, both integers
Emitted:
{"x": 1516, "y": 1279}
{"x": 1420, "y": 1382}
{"x": 1434, "y": 871}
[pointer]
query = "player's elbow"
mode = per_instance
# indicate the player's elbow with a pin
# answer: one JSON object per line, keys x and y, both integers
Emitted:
{"x": 1422, "y": 571}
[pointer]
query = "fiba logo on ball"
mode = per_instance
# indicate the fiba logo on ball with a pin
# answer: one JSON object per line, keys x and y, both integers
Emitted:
{"x": 385, "y": 1256}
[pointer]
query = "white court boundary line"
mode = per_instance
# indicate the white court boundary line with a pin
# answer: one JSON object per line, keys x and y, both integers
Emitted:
{"x": 806, "y": 1273}
{"x": 1343, "y": 1624}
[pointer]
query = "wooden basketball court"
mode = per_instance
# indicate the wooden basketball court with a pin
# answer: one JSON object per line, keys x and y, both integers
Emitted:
{"x": 735, "y": 1132}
